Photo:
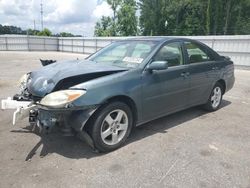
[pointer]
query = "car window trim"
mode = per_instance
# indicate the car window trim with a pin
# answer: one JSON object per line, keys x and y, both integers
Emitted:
{"x": 160, "y": 47}
{"x": 202, "y": 63}
{"x": 202, "y": 48}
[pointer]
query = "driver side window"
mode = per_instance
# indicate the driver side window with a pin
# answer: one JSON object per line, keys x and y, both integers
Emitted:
{"x": 172, "y": 53}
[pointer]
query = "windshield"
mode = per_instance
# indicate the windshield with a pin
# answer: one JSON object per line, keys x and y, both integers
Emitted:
{"x": 127, "y": 54}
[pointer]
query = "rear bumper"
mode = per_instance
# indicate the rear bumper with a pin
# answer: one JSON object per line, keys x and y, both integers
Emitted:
{"x": 230, "y": 83}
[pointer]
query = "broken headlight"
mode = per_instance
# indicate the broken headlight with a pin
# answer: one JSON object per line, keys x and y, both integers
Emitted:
{"x": 23, "y": 81}
{"x": 61, "y": 98}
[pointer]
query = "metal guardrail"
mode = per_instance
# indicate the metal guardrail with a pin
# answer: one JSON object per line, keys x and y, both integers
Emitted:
{"x": 236, "y": 46}
{"x": 28, "y": 43}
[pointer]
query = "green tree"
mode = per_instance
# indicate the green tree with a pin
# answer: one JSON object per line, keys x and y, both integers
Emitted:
{"x": 208, "y": 17}
{"x": 114, "y": 6}
{"x": 191, "y": 17}
{"x": 184, "y": 17}
{"x": 228, "y": 17}
{"x": 45, "y": 32}
{"x": 242, "y": 20}
{"x": 32, "y": 32}
{"x": 126, "y": 18}
{"x": 153, "y": 17}
{"x": 9, "y": 29}
{"x": 103, "y": 28}
{"x": 123, "y": 22}
{"x": 65, "y": 34}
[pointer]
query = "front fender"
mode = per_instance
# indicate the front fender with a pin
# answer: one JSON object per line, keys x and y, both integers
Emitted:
{"x": 121, "y": 84}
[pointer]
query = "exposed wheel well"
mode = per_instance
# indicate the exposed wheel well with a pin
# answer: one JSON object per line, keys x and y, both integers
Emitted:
{"x": 223, "y": 83}
{"x": 120, "y": 98}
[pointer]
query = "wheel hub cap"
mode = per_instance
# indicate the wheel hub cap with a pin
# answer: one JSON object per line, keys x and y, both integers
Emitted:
{"x": 216, "y": 97}
{"x": 114, "y": 127}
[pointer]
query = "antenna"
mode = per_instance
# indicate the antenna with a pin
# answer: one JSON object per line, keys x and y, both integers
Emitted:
{"x": 41, "y": 14}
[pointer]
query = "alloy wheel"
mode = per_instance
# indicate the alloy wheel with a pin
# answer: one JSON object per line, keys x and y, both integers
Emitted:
{"x": 216, "y": 97}
{"x": 114, "y": 127}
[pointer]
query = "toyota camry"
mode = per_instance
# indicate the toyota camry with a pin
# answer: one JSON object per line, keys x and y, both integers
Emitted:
{"x": 126, "y": 84}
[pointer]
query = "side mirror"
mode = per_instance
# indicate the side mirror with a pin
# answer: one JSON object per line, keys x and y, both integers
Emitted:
{"x": 158, "y": 65}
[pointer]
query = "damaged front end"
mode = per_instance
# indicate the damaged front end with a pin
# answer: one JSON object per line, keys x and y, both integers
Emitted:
{"x": 53, "y": 96}
{"x": 57, "y": 108}
{"x": 22, "y": 101}
{"x": 53, "y": 110}
{"x": 67, "y": 120}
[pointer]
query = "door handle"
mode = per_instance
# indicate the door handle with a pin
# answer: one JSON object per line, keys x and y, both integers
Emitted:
{"x": 185, "y": 74}
{"x": 215, "y": 68}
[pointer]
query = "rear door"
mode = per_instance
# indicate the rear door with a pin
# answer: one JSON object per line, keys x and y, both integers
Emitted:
{"x": 165, "y": 91}
{"x": 203, "y": 72}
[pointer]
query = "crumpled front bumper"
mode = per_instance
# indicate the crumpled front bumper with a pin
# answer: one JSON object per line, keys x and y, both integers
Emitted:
{"x": 43, "y": 117}
{"x": 23, "y": 108}
{"x": 66, "y": 118}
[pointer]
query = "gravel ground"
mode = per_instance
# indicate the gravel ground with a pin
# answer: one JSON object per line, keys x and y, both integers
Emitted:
{"x": 191, "y": 148}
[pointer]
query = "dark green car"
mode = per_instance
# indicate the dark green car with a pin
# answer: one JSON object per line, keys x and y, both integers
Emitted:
{"x": 126, "y": 84}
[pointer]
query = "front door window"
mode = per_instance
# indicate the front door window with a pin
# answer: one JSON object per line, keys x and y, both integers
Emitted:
{"x": 171, "y": 53}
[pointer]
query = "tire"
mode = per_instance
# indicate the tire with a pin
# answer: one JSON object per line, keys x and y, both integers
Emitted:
{"x": 111, "y": 126}
{"x": 215, "y": 98}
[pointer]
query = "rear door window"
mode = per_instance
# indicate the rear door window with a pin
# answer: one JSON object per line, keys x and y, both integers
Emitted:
{"x": 196, "y": 54}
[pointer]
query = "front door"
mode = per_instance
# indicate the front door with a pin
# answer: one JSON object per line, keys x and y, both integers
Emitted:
{"x": 165, "y": 91}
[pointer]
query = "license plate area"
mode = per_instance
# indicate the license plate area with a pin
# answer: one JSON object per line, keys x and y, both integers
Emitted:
{"x": 23, "y": 108}
{"x": 21, "y": 113}
{"x": 13, "y": 104}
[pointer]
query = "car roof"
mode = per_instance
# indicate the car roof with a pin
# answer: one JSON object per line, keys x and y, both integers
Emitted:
{"x": 151, "y": 38}
{"x": 157, "y": 38}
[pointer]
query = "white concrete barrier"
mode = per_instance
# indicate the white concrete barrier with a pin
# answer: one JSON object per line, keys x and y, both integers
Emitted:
{"x": 236, "y": 46}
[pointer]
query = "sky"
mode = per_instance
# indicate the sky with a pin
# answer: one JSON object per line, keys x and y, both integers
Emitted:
{"x": 74, "y": 16}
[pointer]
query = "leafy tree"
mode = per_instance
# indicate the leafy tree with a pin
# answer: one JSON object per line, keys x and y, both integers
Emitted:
{"x": 45, "y": 32}
{"x": 65, "y": 34}
{"x": 123, "y": 22}
{"x": 127, "y": 20}
{"x": 208, "y": 16}
{"x": 6, "y": 29}
{"x": 191, "y": 17}
{"x": 32, "y": 32}
{"x": 242, "y": 20}
{"x": 153, "y": 17}
{"x": 114, "y": 6}
{"x": 104, "y": 27}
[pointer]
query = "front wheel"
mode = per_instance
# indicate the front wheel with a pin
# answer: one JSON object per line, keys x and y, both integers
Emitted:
{"x": 215, "y": 98}
{"x": 112, "y": 126}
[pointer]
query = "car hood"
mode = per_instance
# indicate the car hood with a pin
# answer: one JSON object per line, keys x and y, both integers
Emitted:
{"x": 62, "y": 75}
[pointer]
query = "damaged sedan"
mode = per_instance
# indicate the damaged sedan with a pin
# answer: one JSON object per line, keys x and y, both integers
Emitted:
{"x": 125, "y": 84}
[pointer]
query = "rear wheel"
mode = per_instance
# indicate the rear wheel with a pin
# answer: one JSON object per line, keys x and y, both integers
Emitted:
{"x": 215, "y": 98}
{"x": 112, "y": 126}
